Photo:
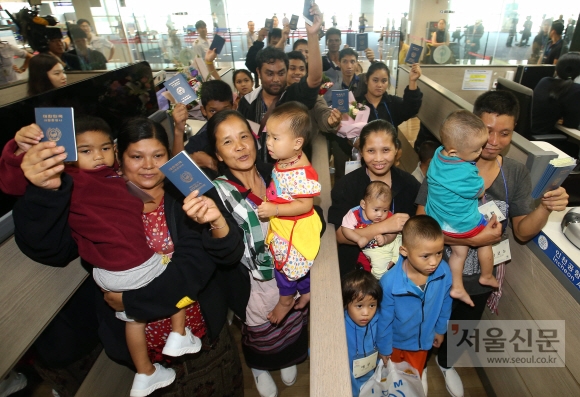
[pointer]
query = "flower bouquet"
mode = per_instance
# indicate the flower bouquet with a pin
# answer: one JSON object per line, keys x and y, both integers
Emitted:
{"x": 353, "y": 121}
{"x": 326, "y": 85}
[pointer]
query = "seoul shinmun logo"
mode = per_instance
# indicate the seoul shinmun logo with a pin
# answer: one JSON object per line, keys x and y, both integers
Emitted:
{"x": 53, "y": 134}
{"x": 186, "y": 177}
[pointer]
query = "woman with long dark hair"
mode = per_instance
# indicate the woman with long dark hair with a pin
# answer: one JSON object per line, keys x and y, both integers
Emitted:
{"x": 193, "y": 231}
{"x": 45, "y": 72}
{"x": 379, "y": 144}
{"x": 242, "y": 188}
{"x": 558, "y": 97}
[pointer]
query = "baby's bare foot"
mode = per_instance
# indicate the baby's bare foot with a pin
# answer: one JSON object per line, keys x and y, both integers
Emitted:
{"x": 462, "y": 295}
{"x": 490, "y": 281}
{"x": 302, "y": 301}
{"x": 281, "y": 310}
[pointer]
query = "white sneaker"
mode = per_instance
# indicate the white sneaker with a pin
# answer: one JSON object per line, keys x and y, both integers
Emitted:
{"x": 424, "y": 381}
{"x": 123, "y": 317}
{"x": 178, "y": 345}
{"x": 452, "y": 381}
{"x": 143, "y": 385}
{"x": 266, "y": 385}
{"x": 289, "y": 375}
{"x": 13, "y": 383}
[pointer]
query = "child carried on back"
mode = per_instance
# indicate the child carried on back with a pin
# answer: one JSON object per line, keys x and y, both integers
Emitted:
{"x": 373, "y": 208}
{"x": 106, "y": 223}
{"x": 454, "y": 186}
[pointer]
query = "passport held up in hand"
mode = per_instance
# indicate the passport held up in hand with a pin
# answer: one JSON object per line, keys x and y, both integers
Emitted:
{"x": 340, "y": 100}
{"x": 362, "y": 41}
{"x": 180, "y": 89}
{"x": 414, "y": 54}
{"x": 186, "y": 175}
{"x": 58, "y": 125}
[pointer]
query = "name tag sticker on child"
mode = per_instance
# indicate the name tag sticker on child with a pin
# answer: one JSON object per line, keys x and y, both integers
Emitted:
{"x": 501, "y": 252}
{"x": 351, "y": 166}
{"x": 362, "y": 366}
{"x": 490, "y": 209}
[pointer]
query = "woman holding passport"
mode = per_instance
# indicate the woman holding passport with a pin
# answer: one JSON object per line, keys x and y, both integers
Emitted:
{"x": 142, "y": 147}
{"x": 388, "y": 107}
{"x": 242, "y": 188}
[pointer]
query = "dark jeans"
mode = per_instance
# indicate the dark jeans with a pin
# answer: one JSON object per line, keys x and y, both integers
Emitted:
{"x": 461, "y": 311}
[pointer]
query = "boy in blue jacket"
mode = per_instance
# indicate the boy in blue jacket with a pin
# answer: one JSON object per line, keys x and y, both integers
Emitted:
{"x": 416, "y": 303}
{"x": 361, "y": 295}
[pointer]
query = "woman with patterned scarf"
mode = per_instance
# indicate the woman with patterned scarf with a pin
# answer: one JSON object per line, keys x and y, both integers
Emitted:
{"x": 242, "y": 187}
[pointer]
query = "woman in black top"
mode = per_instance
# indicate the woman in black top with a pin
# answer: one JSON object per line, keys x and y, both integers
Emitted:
{"x": 387, "y": 107}
{"x": 378, "y": 145}
{"x": 440, "y": 36}
{"x": 43, "y": 234}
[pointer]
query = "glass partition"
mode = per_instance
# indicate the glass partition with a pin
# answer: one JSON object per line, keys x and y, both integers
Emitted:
{"x": 501, "y": 33}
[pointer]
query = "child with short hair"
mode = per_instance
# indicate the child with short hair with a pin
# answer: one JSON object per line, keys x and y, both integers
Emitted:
{"x": 416, "y": 303}
{"x": 106, "y": 223}
{"x": 454, "y": 187}
{"x": 216, "y": 95}
{"x": 361, "y": 296}
{"x": 294, "y": 233}
{"x": 373, "y": 208}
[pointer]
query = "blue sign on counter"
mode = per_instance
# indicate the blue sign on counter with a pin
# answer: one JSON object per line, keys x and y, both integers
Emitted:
{"x": 562, "y": 262}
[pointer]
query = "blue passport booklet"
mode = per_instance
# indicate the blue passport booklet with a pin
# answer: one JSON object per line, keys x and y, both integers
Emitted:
{"x": 180, "y": 89}
{"x": 340, "y": 100}
{"x": 306, "y": 12}
{"x": 362, "y": 41}
{"x": 293, "y": 22}
{"x": 414, "y": 54}
{"x": 269, "y": 24}
{"x": 185, "y": 174}
{"x": 217, "y": 43}
{"x": 554, "y": 174}
{"x": 351, "y": 40}
{"x": 58, "y": 125}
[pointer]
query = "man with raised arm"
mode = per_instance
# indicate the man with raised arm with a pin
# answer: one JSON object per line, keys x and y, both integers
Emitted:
{"x": 272, "y": 68}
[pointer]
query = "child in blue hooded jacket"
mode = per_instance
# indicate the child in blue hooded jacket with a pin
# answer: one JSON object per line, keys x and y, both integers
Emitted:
{"x": 416, "y": 304}
{"x": 361, "y": 295}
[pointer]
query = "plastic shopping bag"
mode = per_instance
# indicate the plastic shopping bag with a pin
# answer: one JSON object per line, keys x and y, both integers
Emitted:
{"x": 394, "y": 380}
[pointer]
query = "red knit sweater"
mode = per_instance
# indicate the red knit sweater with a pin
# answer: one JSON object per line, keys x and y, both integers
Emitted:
{"x": 105, "y": 219}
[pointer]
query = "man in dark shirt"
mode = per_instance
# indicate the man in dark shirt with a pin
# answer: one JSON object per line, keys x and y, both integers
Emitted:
{"x": 56, "y": 48}
{"x": 274, "y": 37}
{"x": 272, "y": 68}
{"x": 331, "y": 60}
{"x": 89, "y": 59}
{"x": 554, "y": 47}
{"x": 333, "y": 42}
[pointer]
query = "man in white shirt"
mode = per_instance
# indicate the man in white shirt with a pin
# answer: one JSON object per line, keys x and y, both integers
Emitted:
{"x": 97, "y": 42}
{"x": 251, "y": 34}
{"x": 201, "y": 44}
